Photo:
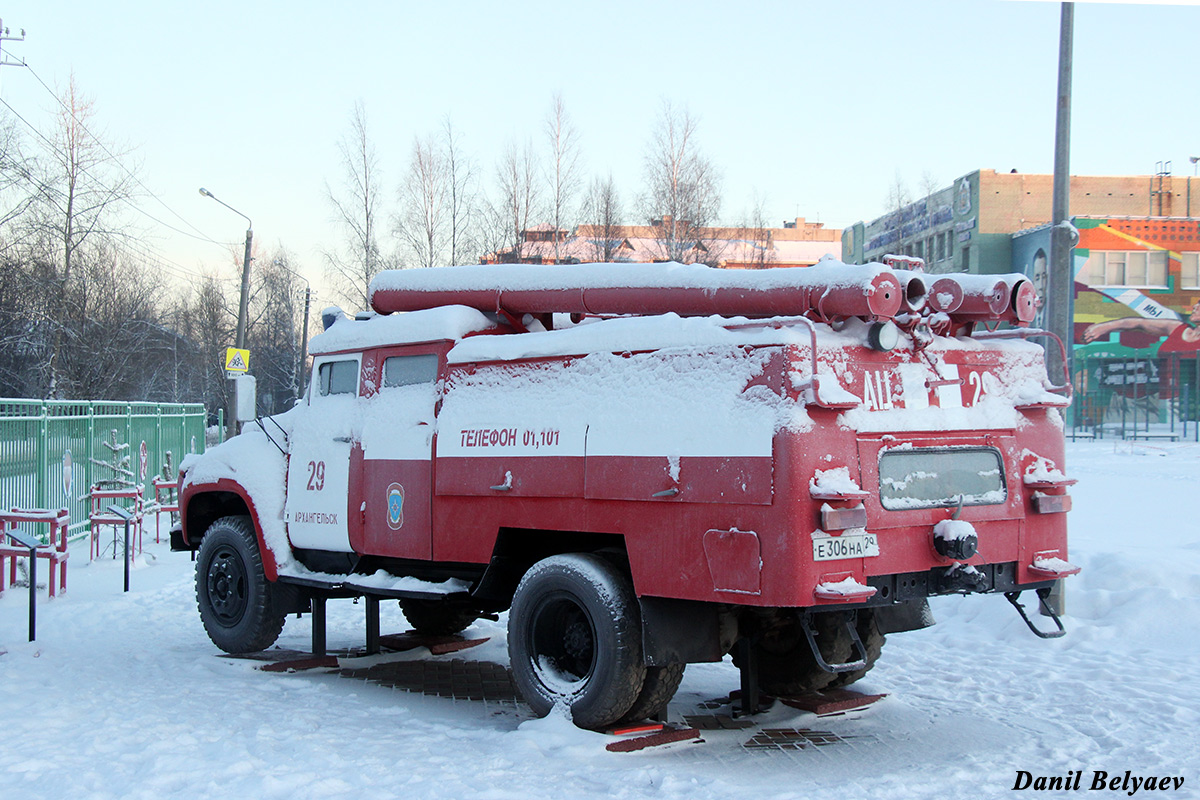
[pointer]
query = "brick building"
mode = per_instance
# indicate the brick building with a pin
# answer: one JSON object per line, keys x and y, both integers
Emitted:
{"x": 968, "y": 226}
{"x": 799, "y": 243}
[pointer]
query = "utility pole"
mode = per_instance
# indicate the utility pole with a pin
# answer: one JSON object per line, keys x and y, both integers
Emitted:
{"x": 1062, "y": 236}
{"x": 231, "y": 425}
{"x": 5, "y": 37}
{"x": 304, "y": 342}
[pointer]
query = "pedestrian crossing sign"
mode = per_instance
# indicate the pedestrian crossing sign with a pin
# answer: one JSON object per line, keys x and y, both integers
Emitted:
{"x": 237, "y": 360}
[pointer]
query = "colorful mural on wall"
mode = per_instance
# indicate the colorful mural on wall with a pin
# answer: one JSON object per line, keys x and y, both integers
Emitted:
{"x": 1135, "y": 312}
{"x": 1136, "y": 284}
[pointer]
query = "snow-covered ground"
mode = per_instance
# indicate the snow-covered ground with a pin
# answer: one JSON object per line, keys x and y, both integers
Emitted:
{"x": 123, "y": 695}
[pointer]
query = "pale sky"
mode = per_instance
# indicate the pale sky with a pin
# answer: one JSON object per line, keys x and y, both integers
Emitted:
{"x": 814, "y": 107}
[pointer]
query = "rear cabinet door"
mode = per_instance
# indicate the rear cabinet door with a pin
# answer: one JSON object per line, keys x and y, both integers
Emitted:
{"x": 398, "y": 435}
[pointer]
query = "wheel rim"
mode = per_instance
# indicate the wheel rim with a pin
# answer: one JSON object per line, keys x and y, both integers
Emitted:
{"x": 562, "y": 643}
{"x": 227, "y": 584}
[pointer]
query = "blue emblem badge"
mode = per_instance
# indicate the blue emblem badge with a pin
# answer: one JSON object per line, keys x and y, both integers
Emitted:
{"x": 395, "y": 505}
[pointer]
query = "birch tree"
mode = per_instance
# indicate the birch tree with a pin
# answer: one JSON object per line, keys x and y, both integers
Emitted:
{"x": 461, "y": 202}
{"x": 602, "y": 212}
{"x": 517, "y": 183}
{"x": 563, "y": 169}
{"x": 682, "y": 186}
{"x": 422, "y": 223}
{"x": 357, "y": 214}
{"x": 78, "y": 192}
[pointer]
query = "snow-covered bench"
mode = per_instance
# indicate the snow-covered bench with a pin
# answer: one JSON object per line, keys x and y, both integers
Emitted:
{"x": 129, "y": 498}
{"x": 54, "y": 551}
{"x": 166, "y": 501}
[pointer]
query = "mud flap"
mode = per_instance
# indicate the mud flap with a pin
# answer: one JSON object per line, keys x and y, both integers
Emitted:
{"x": 849, "y": 666}
{"x": 1043, "y": 594}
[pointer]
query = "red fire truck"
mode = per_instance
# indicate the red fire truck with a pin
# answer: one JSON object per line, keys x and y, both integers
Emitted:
{"x": 649, "y": 465}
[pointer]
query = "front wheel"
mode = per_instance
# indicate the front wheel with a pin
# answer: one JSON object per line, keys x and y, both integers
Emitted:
{"x": 237, "y": 603}
{"x": 574, "y": 637}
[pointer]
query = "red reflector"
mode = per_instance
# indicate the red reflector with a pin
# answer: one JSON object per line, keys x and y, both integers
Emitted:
{"x": 839, "y": 519}
{"x": 1051, "y": 503}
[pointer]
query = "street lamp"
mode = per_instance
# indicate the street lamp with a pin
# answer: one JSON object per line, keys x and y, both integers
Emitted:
{"x": 1192, "y": 159}
{"x": 231, "y": 423}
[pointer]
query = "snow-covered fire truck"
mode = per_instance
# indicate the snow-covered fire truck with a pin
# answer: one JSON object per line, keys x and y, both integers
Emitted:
{"x": 649, "y": 465}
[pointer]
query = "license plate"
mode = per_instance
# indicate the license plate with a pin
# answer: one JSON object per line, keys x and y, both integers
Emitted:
{"x": 848, "y": 545}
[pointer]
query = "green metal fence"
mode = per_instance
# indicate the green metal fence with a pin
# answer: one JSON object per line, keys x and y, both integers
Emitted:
{"x": 53, "y": 452}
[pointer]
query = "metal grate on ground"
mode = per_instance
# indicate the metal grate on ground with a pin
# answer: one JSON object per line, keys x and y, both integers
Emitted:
{"x": 801, "y": 739}
{"x": 477, "y": 681}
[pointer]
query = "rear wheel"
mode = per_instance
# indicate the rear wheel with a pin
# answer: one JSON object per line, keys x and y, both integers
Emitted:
{"x": 786, "y": 666}
{"x": 238, "y": 605}
{"x": 574, "y": 637}
{"x": 659, "y": 687}
{"x": 868, "y": 631}
{"x": 438, "y": 617}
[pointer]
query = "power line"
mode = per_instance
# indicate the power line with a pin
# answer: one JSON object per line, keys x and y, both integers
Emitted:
{"x": 202, "y": 235}
{"x": 179, "y": 270}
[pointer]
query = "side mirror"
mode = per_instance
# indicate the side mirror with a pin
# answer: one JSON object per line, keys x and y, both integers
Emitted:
{"x": 245, "y": 402}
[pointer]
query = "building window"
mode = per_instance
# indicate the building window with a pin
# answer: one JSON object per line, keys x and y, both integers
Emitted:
{"x": 1127, "y": 268}
{"x": 965, "y": 266}
{"x": 941, "y": 246}
{"x": 1189, "y": 269}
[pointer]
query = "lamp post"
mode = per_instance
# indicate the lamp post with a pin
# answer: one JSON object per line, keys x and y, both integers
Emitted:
{"x": 231, "y": 422}
{"x": 1194, "y": 160}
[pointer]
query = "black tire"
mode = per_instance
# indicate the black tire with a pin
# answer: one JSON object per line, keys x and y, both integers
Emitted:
{"x": 438, "y": 617}
{"x": 659, "y": 687}
{"x": 868, "y": 631}
{"x": 786, "y": 666}
{"x": 237, "y": 603}
{"x": 574, "y": 637}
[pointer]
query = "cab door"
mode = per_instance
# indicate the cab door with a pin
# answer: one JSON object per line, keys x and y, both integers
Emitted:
{"x": 318, "y": 503}
{"x": 397, "y": 467}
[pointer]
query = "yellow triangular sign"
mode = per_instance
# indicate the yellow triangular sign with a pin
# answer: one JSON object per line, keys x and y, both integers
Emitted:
{"x": 237, "y": 360}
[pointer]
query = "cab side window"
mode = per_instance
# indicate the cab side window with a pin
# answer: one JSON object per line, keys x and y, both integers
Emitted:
{"x": 338, "y": 377}
{"x": 409, "y": 370}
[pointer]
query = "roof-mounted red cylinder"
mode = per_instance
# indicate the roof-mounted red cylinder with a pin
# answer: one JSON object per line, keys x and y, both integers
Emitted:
{"x": 982, "y": 298}
{"x": 829, "y": 290}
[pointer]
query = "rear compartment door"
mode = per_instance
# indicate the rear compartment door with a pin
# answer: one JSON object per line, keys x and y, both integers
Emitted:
{"x": 398, "y": 439}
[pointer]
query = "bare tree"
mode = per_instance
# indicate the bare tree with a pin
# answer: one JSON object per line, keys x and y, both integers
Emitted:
{"x": 17, "y": 174}
{"x": 682, "y": 186}
{"x": 755, "y": 235}
{"x": 563, "y": 171}
{"x": 273, "y": 334}
{"x": 602, "y": 212}
{"x": 356, "y": 211}
{"x": 422, "y": 222}
{"x": 460, "y": 179}
{"x": 898, "y": 195}
{"x": 78, "y": 193}
{"x": 516, "y": 178}
{"x": 208, "y": 317}
{"x": 113, "y": 328}
{"x": 929, "y": 184}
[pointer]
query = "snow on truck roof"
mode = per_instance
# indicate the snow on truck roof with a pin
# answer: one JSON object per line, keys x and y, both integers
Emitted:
{"x": 448, "y": 323}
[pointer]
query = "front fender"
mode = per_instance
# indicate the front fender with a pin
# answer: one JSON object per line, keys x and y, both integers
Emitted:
{"x": 201, "y": 504}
